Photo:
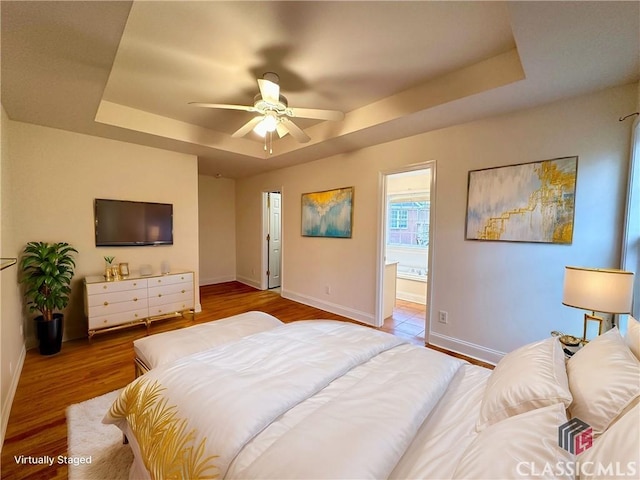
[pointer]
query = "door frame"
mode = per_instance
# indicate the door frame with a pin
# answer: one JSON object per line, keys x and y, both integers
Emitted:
{"x": 382, "y": 237}
{"x": 264, "y": 245}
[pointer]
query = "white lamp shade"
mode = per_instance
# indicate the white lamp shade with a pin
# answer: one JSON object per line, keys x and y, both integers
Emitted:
{"x": 598, "y": 290}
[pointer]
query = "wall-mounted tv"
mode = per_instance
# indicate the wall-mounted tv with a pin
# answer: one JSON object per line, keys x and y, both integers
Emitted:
{"x": 122, "y": 223}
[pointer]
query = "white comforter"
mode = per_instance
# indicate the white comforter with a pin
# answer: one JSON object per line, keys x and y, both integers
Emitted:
{"x": 313, "y": 399}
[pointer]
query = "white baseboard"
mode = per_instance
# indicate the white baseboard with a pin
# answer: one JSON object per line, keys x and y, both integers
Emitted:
{"x": 6, "y": 407}
{"x": 214, "y": 280}
{"x": 351, "y": 313}
{"x": 466, "y": 348}
{"x": 249, "y": 281}
{"x": 411, "y": 297}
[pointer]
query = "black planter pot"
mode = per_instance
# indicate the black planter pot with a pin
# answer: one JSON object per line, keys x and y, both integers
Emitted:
{"x": 50, "y": 334}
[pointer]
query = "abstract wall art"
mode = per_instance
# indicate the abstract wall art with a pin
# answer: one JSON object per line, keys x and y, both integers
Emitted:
{"x": 328, "y": 213}
{"x": 528, "y": 202}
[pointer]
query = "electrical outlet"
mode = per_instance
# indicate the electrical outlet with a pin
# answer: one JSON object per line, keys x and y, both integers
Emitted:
{"x": 327, "y": 289}
{"x": 443, "y": 317}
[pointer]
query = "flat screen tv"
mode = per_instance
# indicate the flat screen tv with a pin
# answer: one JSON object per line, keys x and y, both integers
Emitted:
{"x": 122, "y": 223}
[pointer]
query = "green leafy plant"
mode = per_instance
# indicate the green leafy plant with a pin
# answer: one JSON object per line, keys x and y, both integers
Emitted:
{"x": 109, "y": 260}
{"x": 47, "y": 270}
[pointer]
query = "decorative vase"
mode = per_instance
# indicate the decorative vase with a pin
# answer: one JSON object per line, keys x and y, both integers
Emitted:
{"x": 50, "y": 333}
{"x": 107, "y": 273}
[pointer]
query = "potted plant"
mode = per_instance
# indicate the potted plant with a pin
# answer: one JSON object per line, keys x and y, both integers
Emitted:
{"x": 47, "y": 270}
{"x": 108, "y": 269}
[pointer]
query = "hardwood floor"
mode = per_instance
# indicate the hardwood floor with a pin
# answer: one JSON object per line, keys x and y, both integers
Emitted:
{"x": 83, "y": 370}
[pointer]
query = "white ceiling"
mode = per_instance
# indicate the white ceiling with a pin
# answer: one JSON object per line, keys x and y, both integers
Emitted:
{"x": 127, "y": 70}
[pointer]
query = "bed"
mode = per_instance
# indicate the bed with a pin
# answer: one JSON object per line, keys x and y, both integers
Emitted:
{"x": 162, "y": 348}
{"x": 323, "y": 399}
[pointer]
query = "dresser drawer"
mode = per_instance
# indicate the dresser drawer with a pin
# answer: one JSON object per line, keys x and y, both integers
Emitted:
{"x": 169, "y": 308}
{"x": 165, "y": 298}
{"x": 169, "y": 289}
{"x": 171, "y": 279}
{"x": 116, "y": 297}
{"x": 104, "y": 321}
{"x": 117, "y": 286}
{"x": 111, "y": 308}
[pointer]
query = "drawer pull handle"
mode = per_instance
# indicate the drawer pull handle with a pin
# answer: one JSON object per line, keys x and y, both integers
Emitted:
{"x": 135, "y": 284}
{"x": 104, "y": 286}
{"x": 159, "y": 281}
{"x": 181, "y": 278}
{"x": 106, "y": 303}
{"x": 135, "y": 299}
{"x": 135, "y": 315}
{"x": 159, "y": 311}
{"x": 182, "y": 291}
{"x": 159, "y": 295}
{"x": 104, "y": 321}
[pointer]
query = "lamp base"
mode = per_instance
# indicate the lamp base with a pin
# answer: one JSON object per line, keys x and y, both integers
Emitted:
{"x": 590, "y": 322}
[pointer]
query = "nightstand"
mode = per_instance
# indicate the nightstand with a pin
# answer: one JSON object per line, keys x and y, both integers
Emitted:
{"x": 570, "y": 344}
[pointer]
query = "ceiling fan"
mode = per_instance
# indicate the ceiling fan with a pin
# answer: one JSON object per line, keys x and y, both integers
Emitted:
{"x": 274, "y": 112}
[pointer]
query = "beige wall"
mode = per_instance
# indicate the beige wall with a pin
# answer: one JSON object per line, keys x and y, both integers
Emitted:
{"x": 58, "y": 174}
{"x": 217, "y": 228}
{"x": 12, "y": 348}
{"x": 498, "y": 295}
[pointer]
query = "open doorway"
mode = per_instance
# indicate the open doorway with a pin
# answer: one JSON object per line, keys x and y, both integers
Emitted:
{"x": 272, "y": 253}
{"x": 404, "y": 239}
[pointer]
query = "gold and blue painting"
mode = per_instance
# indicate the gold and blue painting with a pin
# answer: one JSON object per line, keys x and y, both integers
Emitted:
{"x": 328, "y": 213}
{"x": 529, "y": 202}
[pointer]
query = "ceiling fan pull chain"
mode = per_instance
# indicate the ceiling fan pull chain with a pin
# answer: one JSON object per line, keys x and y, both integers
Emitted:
{"x": 270, "y": 143}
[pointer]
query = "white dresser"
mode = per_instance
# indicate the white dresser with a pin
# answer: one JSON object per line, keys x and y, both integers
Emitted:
{"x": 111, "y": 305}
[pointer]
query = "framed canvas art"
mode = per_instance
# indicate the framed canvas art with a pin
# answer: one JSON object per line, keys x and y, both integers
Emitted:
{"x": 529, "y": 202}
{"x": 328, "y": 213}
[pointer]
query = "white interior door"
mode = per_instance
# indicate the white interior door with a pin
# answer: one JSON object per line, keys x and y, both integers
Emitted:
{"x": 274, "y": 239}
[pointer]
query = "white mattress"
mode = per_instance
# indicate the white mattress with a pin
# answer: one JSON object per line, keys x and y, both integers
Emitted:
{"x": 163, "y": 348}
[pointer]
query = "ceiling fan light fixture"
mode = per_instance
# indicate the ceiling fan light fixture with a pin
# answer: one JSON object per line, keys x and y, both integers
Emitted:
{"x": 267, "y": 124}
{"x": 273, "y": 112}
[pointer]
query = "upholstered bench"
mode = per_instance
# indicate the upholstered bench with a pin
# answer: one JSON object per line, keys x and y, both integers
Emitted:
{"x": 166, "y": 347}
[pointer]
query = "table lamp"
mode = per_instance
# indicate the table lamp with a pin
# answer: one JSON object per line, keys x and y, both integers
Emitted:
{"x": 598, "y": 290}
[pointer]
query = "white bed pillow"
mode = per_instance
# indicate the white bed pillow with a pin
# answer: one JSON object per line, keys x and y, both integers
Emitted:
{"x": 533, "y": 376}
{"x": 632, "y": 337}
{"x": 616, "y": 451}
{"x": 604, "y": 378}
{"x": 518, "y": 447}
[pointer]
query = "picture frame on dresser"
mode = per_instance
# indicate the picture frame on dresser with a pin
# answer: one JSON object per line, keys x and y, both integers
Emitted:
{"x": 124, "y": 269}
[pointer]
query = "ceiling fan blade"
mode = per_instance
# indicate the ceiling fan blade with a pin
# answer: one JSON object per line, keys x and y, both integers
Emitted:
{"x": 247, "y": 127}
{"x": 295, "y": 131}
{"x": 269, "y": 90}
{"x": 244, "y": 108}
{"x": 281, "y": 129}
{"x": 315, "y": 113}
